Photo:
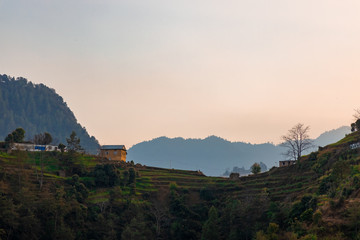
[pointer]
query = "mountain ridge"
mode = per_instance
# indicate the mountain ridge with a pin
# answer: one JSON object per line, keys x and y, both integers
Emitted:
{"x": 214, "y": 155}
{"x": 37, "y": 109}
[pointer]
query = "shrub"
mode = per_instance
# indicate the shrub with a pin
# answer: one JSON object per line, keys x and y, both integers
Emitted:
{"x": 325, "y": 185}
{"x": 260, "y": 235}
{"x": 309, "y": 237}
{"x": 173, "y": 186}
{"x": 313, "y": 156}
{"x": 132, "y": 175}
{"x": 272, "y": 231}
{"x": 206, "y": 194}
{"x": 306, "y": 203}
{"x": 307, "y": 215}
{"x": 106, "y": 175}
{"x": 255, "y": 168}
{"x": 89, "y": 182}
{"x": 347, "y": 192}
{"x": 317, "y": 216}
{"x": 337, "y": 204}
{"x": 356, "y": 182}
{"x": 132, "y": 187}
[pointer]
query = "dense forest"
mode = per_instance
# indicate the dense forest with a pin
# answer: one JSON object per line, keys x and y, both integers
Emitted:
{"x": 53, "y": 195}
{"x": 37, "y": 109}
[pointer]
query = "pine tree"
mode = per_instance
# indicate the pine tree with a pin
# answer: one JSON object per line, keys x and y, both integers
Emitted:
{"x": 210, "y": 229}
{"x": 73, "y": 143}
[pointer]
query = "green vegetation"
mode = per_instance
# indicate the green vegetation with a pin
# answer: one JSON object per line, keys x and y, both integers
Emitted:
{"x": 255, "y": 168}
{"x": 351, "y": 138}
{"x": 47, "y": 195}
{"x": 211, "y": 229}
{"x": 73, "y": 143}
{"x": 16, "y": 136}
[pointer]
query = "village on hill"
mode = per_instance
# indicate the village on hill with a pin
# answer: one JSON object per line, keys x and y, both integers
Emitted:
{"x": 300, "y": 199}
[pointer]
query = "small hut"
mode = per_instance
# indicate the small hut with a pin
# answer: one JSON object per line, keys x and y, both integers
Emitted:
{"x": 234, "y": 176}
{"x": 286, "y": 163}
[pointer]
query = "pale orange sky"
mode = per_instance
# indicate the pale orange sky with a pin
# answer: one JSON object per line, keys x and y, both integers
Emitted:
{"x": 242, "y": 70}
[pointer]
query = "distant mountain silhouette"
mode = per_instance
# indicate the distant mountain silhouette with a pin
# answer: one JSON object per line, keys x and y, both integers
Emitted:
{"x": 214, "y": 155}
{"x": 332, "y": 136}
{"x": 37, "y": 109}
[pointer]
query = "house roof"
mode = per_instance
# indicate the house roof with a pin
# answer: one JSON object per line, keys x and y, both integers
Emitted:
{"x": 113, "y": 147}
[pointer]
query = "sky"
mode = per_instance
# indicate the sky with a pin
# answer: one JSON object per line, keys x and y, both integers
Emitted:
{"x": 244, "y": 70}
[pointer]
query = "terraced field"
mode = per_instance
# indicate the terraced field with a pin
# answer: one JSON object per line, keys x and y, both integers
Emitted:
{"x": 325, "y": 184}
{"x": 278, "y": 183}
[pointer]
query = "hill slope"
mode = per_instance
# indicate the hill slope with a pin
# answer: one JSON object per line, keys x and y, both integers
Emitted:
{"x": 331, "y": 136}
{"x": 37, "y": 109}
{"x": 214, "y": 155}
{"x": 318, "y": 198}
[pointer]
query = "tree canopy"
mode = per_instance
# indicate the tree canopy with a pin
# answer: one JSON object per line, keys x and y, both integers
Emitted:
{"x": 210, "y": 230}
{"x": 73, "y": 143}
{"x": 255, "y": 168}
{"x": 17, "y": 136}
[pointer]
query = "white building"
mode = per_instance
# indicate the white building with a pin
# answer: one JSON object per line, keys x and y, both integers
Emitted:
{"x": 30, "y": 147}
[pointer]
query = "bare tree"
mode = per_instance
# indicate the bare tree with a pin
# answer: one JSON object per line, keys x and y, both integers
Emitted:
{"x": 159, "y": 213}
{"x": 297, "y": 141}
{"x": 103, "y": 205}
{"x": 43, "y": 138}
{"x": 356, "y": 114}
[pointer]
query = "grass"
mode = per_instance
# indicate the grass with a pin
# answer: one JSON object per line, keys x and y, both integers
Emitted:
{"x": 151, "y": 180}
{"x": 87, "y": 161}
{"x": 53, "y": 176}
{"x": 280, "y": 182}
{"x": 5, "y": 155}
{"x": 97, "y": 197}
{"x": 350, "y": 138}
{"x": 277, "y": 183}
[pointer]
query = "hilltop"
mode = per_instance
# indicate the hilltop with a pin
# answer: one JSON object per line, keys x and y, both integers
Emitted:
{"x": 37, "y": 109}
{"x": 318, "y": 198}
{"x": 211, "y": 155}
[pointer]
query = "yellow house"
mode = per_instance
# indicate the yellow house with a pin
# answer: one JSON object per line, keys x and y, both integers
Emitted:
{"x": 113, "y": 152}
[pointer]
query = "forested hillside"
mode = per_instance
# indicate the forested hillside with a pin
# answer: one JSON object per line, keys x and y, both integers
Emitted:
{"x": 37, "y": 109}
{"x": 53, "y": 195}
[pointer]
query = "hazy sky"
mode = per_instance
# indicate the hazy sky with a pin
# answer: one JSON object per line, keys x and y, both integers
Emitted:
{"x": 243, "y": 70}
